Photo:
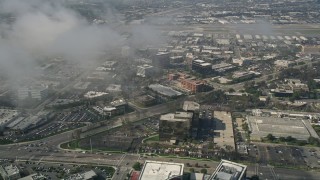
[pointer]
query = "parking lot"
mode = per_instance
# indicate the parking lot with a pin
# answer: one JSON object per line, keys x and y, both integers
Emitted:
{"x": 63, "y": 121}
{"x": 281, "y": 155}
{"x": 126, "y": 138}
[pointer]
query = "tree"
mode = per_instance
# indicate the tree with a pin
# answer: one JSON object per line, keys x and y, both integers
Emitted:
{"x": 245, "y": 126}
{"x": 204, "y": 171}
{"x": 296, "y": 95}
{"x": 137, "y": 166}
{"x": 270, "y": 77}
{"x": 314, "y": 141}
{"x": 282, "y": 139}
{"x": 270, "y": 137}
{"x": 231, "y": 90}
{"x": 191, "y": 170}
{"x": 290, "y": 139}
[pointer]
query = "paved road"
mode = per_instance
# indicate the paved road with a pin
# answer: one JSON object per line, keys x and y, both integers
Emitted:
{"x": 125, "y": 161}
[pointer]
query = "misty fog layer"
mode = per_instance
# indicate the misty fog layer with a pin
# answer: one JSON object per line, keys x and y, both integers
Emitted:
{"x": 41, "y": 29}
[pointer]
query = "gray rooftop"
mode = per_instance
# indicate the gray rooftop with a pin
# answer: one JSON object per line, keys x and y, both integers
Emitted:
{"x": 164, "y": 90}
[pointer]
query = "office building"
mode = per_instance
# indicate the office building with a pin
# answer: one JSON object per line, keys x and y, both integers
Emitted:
{"x": 201, "y": 66}
{"x": 161, "y": 59}
{"x": 194, "y": 86}
{"x": 175, "y": 126}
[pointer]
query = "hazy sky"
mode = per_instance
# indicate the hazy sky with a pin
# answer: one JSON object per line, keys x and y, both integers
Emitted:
{"x": 46, "y": 29}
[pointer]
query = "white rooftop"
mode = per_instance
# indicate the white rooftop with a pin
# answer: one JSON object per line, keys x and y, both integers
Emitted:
{"x": 190, "y": 106}
{"x": 94, "y": 94}
{"x": 178, "y": 116}
{"x": 157, "y": 170}
{"x": 11, "y": 170}
{"x": 228, "y": 170}
{"x": 6, "y": 115}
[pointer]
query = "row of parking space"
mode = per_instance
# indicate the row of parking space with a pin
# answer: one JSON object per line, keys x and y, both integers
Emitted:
{"x": 279, "y": 155}
{"x": 314, "y": 21}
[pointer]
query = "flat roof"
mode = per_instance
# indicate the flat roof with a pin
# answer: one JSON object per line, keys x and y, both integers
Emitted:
{"x": 280, "y": 127}
{"x": 228, "y": 170}
{"x": 158, "y": 170}
{"x": 11, "y": 170}
{"x": 190, "y": 106}
{"x": 15, "y": 122}
{"x": 221, "y": 65}
{"x": 7, "y": 115}
{"x": 224, "y": 129}
{"x": 178, "y": 116}
{"x": 114, "y": 87}
{"x": 164, "y": 90}
{"x": 205, "y": 64}
{"x": 199, "y": 61}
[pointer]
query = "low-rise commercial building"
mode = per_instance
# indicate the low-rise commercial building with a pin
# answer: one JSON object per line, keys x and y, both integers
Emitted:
{"x": 110, "y": 65}
{"x": 10, "y": 172}
{"x": 114, "y": 108}
{"x": 164, "y": 90}
{"x": 284, "y": 63}
{"x": 145, "y": 70}
{"x": 191, "y": 106}
{"x": 146, "y": 100}
{"x": 228, "y": 170}
{"x": 222, "y": 67}
{"x": 89, "y": 175}
{"x": 194, "y": 86}
{"x": 7, "y": 116}
{"x": 242, "y": 75}
{"x": 157, "y": 170}
{"x": 34, "y": 176}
